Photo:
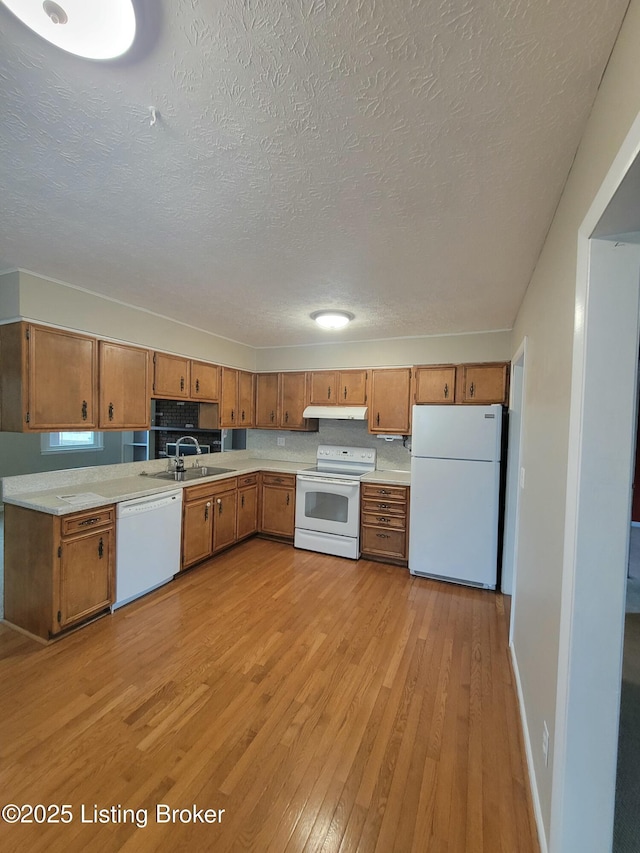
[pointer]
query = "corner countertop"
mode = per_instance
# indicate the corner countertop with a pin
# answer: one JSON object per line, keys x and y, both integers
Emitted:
{"x": 89, "y": 493}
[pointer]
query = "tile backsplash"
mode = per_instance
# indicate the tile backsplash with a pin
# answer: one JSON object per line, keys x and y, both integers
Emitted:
{"x": 302, "y": 446}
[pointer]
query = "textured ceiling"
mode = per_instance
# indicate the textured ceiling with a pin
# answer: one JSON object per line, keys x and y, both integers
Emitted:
{"x": 401, "y": 159}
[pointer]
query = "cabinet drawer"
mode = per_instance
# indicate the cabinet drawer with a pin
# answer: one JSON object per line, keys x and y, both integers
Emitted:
{"x": 384, "y": 507}
{"x": 390, "y": 543}
{"x": 229, "y": 484}
{"x": 382, "y": 520}
{"x": 395, "y": 493}
{"x": 82, "y": 521}
{"x": 247, "y": 480}
{"x": 288, "y": 480}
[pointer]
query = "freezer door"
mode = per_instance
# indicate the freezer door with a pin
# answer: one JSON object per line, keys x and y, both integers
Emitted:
{"x": 453, "y": 533}
{"x": 457, "y": 432}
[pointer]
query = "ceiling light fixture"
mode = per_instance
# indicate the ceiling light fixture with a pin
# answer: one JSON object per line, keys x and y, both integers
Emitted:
{"x": 332, "y": 319}
{"x": 93, "y": 29}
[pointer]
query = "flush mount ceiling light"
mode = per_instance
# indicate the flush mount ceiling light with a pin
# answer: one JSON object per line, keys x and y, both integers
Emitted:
{"x": 332, "y": 319}
{"x": 93, "y": 29}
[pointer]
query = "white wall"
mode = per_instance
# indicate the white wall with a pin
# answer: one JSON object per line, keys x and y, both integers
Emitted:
{"x": 547, "y": 318}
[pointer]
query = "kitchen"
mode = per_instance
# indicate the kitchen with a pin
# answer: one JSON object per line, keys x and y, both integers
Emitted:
{"x": 543, "y": 323}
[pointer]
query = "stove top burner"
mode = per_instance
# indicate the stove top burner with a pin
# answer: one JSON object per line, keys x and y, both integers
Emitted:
{"x": 342, "y": 462}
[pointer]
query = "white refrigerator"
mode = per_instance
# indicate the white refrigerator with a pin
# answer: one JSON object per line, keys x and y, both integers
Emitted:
{"x": 455, "y": 492}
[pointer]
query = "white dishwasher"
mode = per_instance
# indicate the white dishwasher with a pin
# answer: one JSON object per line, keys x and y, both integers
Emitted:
{"x": 147, "y": 544}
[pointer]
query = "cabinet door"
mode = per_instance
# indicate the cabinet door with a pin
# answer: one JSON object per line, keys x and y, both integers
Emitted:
{"x": 267, "y": 401}
{"x": 86, "y": 576}
{"x": 292, "y": 400}
{"x": 352, "y": 388}
{"x": 224, "y": 519}
{"x": 170, "y": 376}
{"x": 246, "y": 394}
{"x": 484, "y": 383}
{"x": 277, "y": 514}
{"x": 124, "y": 387}
{"x": 435, "y": 384}
{"x": 390, "y": 399}
{"x": 197, "y": 530}
{"x": 205, "y": 381}
{"x": 63, "y": 372}
{"x": 323, "y": 385}
{"x": 229, "y": 398}
{"x": 247, "y": 511}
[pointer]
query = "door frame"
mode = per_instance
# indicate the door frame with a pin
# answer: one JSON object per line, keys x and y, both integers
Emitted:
{"x": 601, "y": 444}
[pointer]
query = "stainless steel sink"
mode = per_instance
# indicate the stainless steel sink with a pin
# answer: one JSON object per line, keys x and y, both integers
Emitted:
{"x": 191, "y": 473}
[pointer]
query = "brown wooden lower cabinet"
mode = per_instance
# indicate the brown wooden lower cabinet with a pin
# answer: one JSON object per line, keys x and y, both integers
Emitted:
{"x": 247, "y": 510}
{"x": 59, "y": 570}
{"x": 208, "y": 520}
{"x": 277, "y": 505}
{"x": 384, "y": 528}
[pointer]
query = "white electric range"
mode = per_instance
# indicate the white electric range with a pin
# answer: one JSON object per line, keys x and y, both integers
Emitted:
{"x": 328, "y": 500}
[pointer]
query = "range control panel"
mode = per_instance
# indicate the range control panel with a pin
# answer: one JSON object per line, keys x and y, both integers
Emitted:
{"x": 335, "y": 453}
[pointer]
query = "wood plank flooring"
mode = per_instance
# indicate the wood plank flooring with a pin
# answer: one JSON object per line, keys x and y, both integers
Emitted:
{"x": 324, "y": 704}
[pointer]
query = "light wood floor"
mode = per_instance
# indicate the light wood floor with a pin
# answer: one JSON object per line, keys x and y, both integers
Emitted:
{"x": 324, "y": 704}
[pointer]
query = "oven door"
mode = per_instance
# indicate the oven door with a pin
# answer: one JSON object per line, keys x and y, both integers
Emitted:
{"x": 328, "y": 506}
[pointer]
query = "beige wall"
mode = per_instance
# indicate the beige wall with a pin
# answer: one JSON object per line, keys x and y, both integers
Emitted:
{"x": 546, "y": 318}
{"x": 59, "y": 304}
{"x": 437, "y": 349}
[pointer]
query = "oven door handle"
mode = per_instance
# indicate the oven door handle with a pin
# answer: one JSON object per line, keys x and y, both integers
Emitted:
{"x": 350, "y": 484}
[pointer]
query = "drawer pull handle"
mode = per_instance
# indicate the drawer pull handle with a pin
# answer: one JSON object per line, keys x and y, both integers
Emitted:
{"x": 345, "y": 392}
{"x": 446, "y": 390}
{"x": 384, "y": 492}
{"x": 197, "y": 385}
{"x": 384, "y": 506}
{"x": 84, "y": 410}
{"x": 182, "y": 383}
{"x": 471, "y": 390}
{"x": 100, "y": 548}
{"x": 329, "y": 392}
{"x": 384, "y": 520}
{"x": 242, "y": 502}
{"x": 89, "y": 521}
{"x": 383, "y": 536}
{"x": 110, "y": 411}
{"x": 288, "y": 498}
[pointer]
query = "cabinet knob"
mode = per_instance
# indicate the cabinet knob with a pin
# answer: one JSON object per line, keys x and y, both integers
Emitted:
{"x": 219, "y": 502}
{"x": 206, "y": 510}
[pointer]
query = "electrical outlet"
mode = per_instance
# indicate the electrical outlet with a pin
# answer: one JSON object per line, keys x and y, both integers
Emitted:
{"x": 545, "y": 743}
{"x": 522, "y": 478}
{"x": 280, "y": 441}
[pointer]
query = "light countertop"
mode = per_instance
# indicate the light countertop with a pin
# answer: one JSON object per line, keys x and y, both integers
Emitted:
{"x": 78, "y": 496}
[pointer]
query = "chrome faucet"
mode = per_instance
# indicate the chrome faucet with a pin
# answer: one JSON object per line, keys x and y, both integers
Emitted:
{"x": 179, "y": 463}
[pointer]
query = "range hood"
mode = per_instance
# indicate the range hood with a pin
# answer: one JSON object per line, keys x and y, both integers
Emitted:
{"x": 337, "y": 413}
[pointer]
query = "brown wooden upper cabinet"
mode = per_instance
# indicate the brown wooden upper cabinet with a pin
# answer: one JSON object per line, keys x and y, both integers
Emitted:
{"x": 483, "y": 383}
{"x": 205, "y": 381}
{"x": 124, "y": 387}
{"x": 281, "y": 399}
{"x": 236, "y": 398}
{"x": 267, "y": 413}
{"x": 435, "y": 384}
{"x": 171, "y": 376}
{"x": 49, "y": 379}
{"x": 337, "y": 387}
{"x": 390, "y": 400}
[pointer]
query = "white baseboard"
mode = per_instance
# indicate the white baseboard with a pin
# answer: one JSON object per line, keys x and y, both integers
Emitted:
{"x": 542, "y": 838}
